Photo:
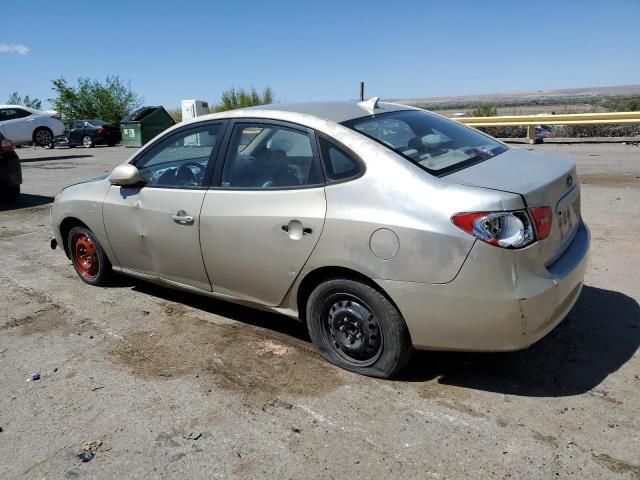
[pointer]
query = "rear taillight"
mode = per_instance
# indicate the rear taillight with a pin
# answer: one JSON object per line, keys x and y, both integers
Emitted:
{"x": 57, "y": 117}
{"x": 101, "y": 131}
{"x": 502, "y": 229}
{"x": 7, "y": 145}
{"x": 542, "y": 218}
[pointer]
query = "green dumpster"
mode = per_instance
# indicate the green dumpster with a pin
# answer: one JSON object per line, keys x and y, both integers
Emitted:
{"x": 144, "y": 124}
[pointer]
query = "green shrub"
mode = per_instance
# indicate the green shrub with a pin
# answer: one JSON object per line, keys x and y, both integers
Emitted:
{"x": 484, "y": 111}
{"x": 109, "y": 101}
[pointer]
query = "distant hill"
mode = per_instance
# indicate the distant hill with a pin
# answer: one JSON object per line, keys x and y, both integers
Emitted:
{"x": 543, "y": 96}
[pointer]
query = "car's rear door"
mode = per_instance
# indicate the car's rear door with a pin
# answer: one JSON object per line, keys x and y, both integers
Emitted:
{"x": 264, "y": 216}
{"x": 17, "y": 124}
{"x": 154, "y": 229}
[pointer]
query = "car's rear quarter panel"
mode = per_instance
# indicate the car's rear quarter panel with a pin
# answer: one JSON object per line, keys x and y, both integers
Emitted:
{"x": 396, "y": 195}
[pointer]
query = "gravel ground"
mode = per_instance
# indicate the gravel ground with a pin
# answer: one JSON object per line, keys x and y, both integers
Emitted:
{"x": 155, "y": 383}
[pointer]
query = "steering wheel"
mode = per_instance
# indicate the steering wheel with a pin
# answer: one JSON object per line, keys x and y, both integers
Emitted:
{"x": 185, "y": 175}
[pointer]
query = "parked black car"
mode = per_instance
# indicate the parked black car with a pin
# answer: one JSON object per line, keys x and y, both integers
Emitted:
{"x": 88, "y": 133}
{"x": 10, "y": 170}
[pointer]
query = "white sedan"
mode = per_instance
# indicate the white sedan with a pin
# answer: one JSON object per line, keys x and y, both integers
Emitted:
{"x": 24, "y": 125}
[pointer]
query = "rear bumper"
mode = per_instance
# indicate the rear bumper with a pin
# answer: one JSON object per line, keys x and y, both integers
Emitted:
{"x": 500, "y": 301}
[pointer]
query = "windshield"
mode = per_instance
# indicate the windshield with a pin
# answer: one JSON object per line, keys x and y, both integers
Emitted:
{"x": 97, "y": 123}
{"x": 435, "y": 144}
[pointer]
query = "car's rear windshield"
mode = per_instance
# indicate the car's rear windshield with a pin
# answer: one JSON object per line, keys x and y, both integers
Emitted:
{"x": 97, "y": 123}
{"x": 434, "y": 143}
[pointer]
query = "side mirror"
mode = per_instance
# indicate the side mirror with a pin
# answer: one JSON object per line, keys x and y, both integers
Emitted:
{"x": 125, "y": 175}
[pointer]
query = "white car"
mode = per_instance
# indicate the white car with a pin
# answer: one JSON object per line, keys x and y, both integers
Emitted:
{"x": 24, "y": 125}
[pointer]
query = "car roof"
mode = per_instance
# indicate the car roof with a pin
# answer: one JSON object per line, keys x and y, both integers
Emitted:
{"x": 28, "y": 109}
{"x": 333, "y": 111}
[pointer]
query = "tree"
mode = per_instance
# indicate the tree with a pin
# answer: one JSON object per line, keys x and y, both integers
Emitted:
{"x": 108, "y": 101}
{"x": 16, "y": 99}
{"x": 485, "y": 111}
{"x": 241, "y": 98}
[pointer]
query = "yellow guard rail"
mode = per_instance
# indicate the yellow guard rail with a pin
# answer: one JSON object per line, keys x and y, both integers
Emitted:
{"x": 531, "y": 121}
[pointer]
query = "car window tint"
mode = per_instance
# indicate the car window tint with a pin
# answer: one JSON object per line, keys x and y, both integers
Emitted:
{"x": 7, "y": 114}
{"x": 181, "y": 159}
{"x": 338, "y": 164}
{"x": 270, "y": 157}
{"x": 21, "y": 113}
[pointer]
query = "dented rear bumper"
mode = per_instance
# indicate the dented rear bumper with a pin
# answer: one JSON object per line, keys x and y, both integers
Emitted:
{"x": 501, "y": 300}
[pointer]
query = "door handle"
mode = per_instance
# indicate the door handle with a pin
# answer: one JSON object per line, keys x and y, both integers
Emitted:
{"x": 305, "y": 230}
{"x": 182, "y": 218}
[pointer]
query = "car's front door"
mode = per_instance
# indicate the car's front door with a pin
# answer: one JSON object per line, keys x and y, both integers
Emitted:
{"x": 263, "y": 217}
{"x": 153, "y": 229}
{"x": 75, "y": 132}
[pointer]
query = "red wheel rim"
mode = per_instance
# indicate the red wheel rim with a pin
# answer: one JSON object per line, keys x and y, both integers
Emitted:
{"x": 85, "y": 256}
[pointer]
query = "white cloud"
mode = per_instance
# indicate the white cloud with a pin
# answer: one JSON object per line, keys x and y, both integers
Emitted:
{"x": 14, "y": 48}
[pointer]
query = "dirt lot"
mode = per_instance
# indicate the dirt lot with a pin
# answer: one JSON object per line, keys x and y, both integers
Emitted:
{"x": 179, "y": 386}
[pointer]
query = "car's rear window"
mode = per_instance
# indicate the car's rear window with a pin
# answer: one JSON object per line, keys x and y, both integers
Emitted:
{"x": 434, "y": 143}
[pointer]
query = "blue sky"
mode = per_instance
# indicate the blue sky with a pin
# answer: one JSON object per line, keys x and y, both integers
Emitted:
{"x": 320, "y": 50}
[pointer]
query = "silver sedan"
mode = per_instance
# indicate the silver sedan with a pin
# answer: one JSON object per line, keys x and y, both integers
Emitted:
{"x": 383, "y": 227}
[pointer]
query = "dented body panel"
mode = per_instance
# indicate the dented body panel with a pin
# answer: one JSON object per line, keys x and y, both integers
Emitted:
{"x": 501, "y": 300}
{"x": 145, "y": 238}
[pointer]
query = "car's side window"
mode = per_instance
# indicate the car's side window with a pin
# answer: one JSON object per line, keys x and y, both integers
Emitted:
{"x": 19, "y": 113}
{"x": 270, "y": 157}
{"x": 181, "y": 159}
{"x": 7, "y": 114}
{"x": 339, "y": 165}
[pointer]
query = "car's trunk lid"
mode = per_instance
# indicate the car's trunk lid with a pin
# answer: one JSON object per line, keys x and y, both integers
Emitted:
{"x": 542, "y": 180}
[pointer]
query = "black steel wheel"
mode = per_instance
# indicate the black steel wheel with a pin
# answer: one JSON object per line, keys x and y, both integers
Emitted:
{"x": 357, "y": 328}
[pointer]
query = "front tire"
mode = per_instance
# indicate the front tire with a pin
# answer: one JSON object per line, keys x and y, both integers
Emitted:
{"x": 357, "y": 328}
{"x": 88, "y": 257}
{"x": 87, "y": 141}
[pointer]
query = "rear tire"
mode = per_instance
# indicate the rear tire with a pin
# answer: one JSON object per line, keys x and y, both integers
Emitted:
{"x": 357, "y": 328}
{"x": 43, "y": 136}
{"x": 88, "y": 257}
